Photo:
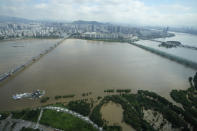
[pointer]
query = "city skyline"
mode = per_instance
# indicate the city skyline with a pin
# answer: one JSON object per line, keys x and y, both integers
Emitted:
{"x": 131, "y": 12}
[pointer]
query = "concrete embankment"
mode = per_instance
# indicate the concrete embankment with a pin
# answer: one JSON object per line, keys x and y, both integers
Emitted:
{"x": 177, "y": 59}
{"x": 31, "y": 61}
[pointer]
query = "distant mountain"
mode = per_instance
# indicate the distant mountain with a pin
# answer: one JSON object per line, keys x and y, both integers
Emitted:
{"x": 87, "y": 22}
{"x": 14, "y": 19}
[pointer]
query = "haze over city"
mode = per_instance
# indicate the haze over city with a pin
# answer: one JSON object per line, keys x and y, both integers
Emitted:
{"x": 132, "y": 12}
{"x": 98, "y": 65}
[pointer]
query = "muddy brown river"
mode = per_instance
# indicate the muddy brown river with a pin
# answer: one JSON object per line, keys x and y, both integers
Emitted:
{"x": 78, "y": 66}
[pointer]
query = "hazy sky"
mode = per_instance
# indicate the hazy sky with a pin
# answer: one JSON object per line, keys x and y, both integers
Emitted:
{"x": 142, "y": 12}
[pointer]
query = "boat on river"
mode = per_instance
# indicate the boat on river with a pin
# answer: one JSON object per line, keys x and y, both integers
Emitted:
{"x": 33, "y": 95}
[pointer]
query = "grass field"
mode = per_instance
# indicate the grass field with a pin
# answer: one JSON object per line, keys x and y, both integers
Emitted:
{"x": 64, "y": 121}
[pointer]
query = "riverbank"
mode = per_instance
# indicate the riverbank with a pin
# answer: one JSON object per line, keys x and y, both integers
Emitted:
{"x": 29, "y": 38}
{"x": 104, "y": 40}
{"x": 144, "y": 110}
{"x": 134, "y": 110}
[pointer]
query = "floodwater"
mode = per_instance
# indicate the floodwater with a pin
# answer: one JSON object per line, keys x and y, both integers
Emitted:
{"x": 79, "y": 66}
{"x": 113, "y": 113}
{"x": 185, "y": 39}
{"x": 14, "y": 53}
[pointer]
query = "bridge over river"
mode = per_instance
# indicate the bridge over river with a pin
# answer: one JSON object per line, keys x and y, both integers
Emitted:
{"x": 29, "y": 62}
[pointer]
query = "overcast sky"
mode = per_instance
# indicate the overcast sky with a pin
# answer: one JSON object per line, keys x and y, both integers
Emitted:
{"x": 140, "y": 12}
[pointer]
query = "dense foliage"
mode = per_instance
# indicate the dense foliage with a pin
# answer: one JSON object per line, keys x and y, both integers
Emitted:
{"x": 31, "y": 115}
{"x": 44, "y": 99}
{"x": 134, "y": 104}
{"x": 113, "y": 128}
{"x": 64, "y": 96}
{"x": 29, "y": 129}
{"x": 188, "y": 99}
{"x": 123, "y": 90}
{"x": 109, "y": 90}
{"x": 4, "y": 115}
{"x": 96, "y": 116}
{"x": 86, "y": 94}
{"x": 151, "y": 100}
{"x": 68, "y": 96}
{"x": 80, "y": 106}
{"x": 131, "y": 116}
{"x": 58, "y": 97}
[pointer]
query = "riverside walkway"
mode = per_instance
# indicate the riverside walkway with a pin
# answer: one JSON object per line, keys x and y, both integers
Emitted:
{"x": 31, "y": 61}
{"x": 39, "y": 117}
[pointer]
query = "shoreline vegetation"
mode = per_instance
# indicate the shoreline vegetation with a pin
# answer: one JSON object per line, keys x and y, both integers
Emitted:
{"x": 134, "y": 106}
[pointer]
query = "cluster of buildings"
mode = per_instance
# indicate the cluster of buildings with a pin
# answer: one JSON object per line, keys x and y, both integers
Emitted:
{"x": 113, "y": 36}
{"x": 85, "y": 29}
{"x": 33, "y": 30}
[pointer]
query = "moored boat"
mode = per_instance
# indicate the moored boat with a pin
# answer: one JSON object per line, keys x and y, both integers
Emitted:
{"x": 34, "y": 94}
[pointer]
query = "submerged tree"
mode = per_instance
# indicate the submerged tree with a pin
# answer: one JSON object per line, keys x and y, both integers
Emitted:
{"x": 195, "y": 81}
{"x": 190, "y": 81}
